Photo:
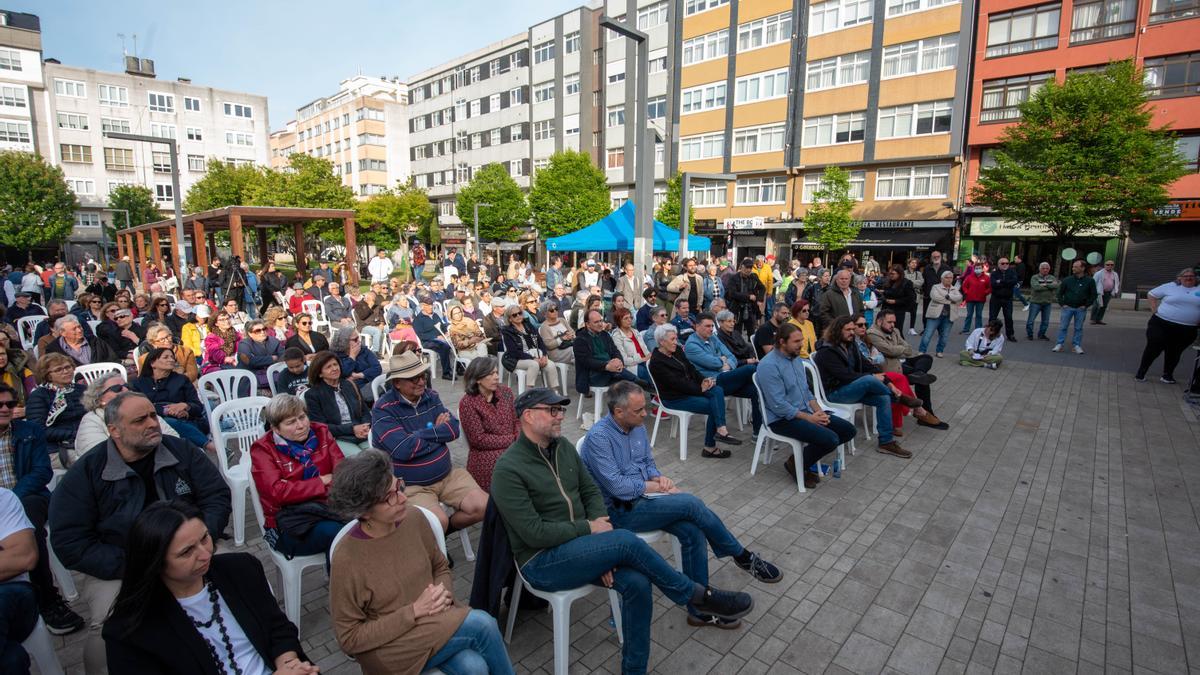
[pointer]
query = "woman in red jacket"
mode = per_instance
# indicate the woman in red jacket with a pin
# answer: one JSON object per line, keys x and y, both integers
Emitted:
{"x": 292, "y": 466}
{"x": 976, "y": 287}
{"x": 488, "y": 418}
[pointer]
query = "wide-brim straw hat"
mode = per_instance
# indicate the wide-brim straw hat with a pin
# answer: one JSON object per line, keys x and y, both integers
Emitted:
{"x": 406, "y": 364}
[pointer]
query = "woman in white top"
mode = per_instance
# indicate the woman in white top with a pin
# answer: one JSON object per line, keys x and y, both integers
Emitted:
{"x": 556, "y": 334}
{"x": 984, "y": 346}
{"x": 1172, "y": 327}
{"x": 92, "y": 429}
{"x": 634, "y": 352}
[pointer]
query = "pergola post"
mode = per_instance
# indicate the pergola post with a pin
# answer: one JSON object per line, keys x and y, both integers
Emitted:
{"x": 199, "y": 244}
{"x": 263, "y": 251}
{"x": 155, "y": 248}
{"x": 351, "y": 249}
{"x": 120, "y": 246}
{"x": 140, "y": 268}
{"x": 212, "y": 245}
{"x": 301, "y": 257}
{"x": 179, "y": 270}
{"x": 236, "y": 244}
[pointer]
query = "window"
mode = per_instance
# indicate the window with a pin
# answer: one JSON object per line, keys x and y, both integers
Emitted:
{"x": 244, "y": 111}
{"x": 813, "y": 182}
{"x": 1102, "y": 20}
{"x": 516, "y": 95}
{"x": 704, "y": 47}
{"x": 761, "y": 86}
{"x": 657, "y": 64}
{"x": 111, "y": 94}
{"x": 571, "y": 124}
{"x": 837, "y": 14}
{"x": 616, "y": 115}
{"x": 1177, "y": 75}
{"x": 517, "y": 132}
{"x": 164, "y": 103}
{"x": 539, "y": 164}
{"x": 913, "y": 182}
{"x": 161, "y": 162}
{"x": 920, "y": 56}
{"x": 14, "y": 97}
{"x": 651, "y": 16}
{"x": 163, "y": 192}
{"x": 1023, "y": 30}
{"x": 702, "y": 147}
{"x": 194, "y": 133}
{"x": 494, "y": 137}
{"x": 87, "y": 219}
{"x": 616, "y": 158}
{"x": 1170, "y": 10}
{"x": 617, "y": 202}
{"x": 365, "y": 139}
{"x": 916, "y": 119}
{"x": 162, "y": 130}
{"x": 446, "y": 208}
{"x": 14, "y": 132}
{"x": 10, "y": 59}
{"x": 1002, "y": 98}
{"x": 70, "y": 121}
{"x": 833, "y": 129}
{"x": 612, "y": 34}
{"x": 82, "y": 186}
{"x": 838, "y": 71}
{"x": 477, "y": 140}
{"x": 543, "y": 52}
{"x": 656, "y": 108}
{"x": 898, "y": 7}
{"x": 707, "y": 193}
{"x": 476, "y": 107}
{"x": 765, "y": 31}
{"x": 571, "y": 85}
{"x": 761, "y": 190}
{"x": 196, "y": 163}
{"x": 118, "y": 159}
{"x": 1188, "y": 148}
{"x": 246, "y": 140}
{"x": 691, "y": 7}
{"x": 364, "y": 114}
{"x": 704, "y": 97}
{"x": 761, "y": 139}
{"x": 494, "y": 103}
{"x": 516, "y": 167}
{"x": 462, "y": 142}
{"x": 543, "y": 130}
{"x": 81, "y": 154}
{"x": 191, "y": 104}
{"x": 543, "y": 92}
{"x": 616, "y": 72}
{"x": 72, "y": 88}
{"x": 571, "y": 43}
{"x": 372, "y": 165}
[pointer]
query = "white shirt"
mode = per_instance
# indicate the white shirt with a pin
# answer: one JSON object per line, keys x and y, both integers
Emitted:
{"x": 380, "y": 269}
{"x": 978, "y": 343}
{"x": 199, "y": 607}
{"x": 12, "y": 521}
{"x": 1178, "y": 304}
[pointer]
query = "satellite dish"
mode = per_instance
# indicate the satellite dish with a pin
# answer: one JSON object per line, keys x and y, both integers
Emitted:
{"x": 1068, "y": 254}
{"x": 1094, "y": 258}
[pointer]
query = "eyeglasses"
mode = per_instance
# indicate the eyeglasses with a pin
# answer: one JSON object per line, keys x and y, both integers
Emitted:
{"x": 96, "y": 302}
{"x": 9, "y": 404}
{"x": 861, "y": 325}
{"x": 62, "y": 368}
{"x": 258, "y": 330}
{"x": 392, "y": 496}
{"x": 554, "y": 410}
{"x": 115, "y": 389}
{"x": 303, "y": 323}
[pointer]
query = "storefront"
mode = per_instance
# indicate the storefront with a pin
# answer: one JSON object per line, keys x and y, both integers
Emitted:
{"x": 1155, "y": 252}
{"x": 996, "y": 237}
{"x": 889, "y": 242}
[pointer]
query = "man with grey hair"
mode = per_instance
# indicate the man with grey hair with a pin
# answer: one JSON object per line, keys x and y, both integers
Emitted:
{"x": 55, "y": 310}
{"x": 95, "y": 504}
{"x": 1042, "y": 289}
{"x": 73, "y": 342}
{"x": 840, "y": 300}
{"x": 493, "y": 323}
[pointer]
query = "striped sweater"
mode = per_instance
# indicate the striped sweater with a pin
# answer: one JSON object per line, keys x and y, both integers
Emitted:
{"x": 411, "y": 436}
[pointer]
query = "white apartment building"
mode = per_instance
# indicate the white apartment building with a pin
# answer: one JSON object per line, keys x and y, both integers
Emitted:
{"x": 565, "y": 85}
{"x": 21, "y": 84}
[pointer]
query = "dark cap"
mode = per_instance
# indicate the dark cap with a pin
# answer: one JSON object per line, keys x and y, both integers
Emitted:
{"x": 539, "y": 396}
{"x": 747, "y": 262}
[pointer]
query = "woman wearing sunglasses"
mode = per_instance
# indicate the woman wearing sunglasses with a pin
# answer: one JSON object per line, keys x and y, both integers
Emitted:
{"x": 92, "y": 429}
{"x": 259, "y": 352}
{"x": 306, "y": 339}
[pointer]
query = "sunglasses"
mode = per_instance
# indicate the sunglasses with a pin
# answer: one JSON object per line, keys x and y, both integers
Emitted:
{"x": 303, "y": 323}
{"x": 115, "y": 389}
{"x": 258, "y": 330}
{"x": 9, "y": 404}
{"x": 861, "y": 325}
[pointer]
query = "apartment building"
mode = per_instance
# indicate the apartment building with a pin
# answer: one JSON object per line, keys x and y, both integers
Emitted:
{"x": 1025, "y": 43}
{"x": 361, "y": 129}
{"x": 21, "y": 83}
{"x": 566, "y": 84}
{"x": 774, "y": 94}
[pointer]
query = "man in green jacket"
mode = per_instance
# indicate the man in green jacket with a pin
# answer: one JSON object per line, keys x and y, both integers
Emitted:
{"x": 1042, "y": 289}
{"x": 562, "y": 539}
{"x": 1075, "y": 294}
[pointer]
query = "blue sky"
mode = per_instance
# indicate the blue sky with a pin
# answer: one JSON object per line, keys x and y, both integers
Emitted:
{"x": 291, "y": 51}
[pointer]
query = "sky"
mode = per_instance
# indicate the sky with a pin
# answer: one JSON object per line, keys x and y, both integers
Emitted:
{"x": 292, "y": 52}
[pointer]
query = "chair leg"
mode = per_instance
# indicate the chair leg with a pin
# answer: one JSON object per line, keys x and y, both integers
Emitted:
{"x": 798, "y": 458}
{"x": 466, "y": 544}
{"x": 658, "y": 413}
{"x": 291, "y": 593}
{"x": 513, "y": 603}
{"x": 41, "y": 650}
{"x": 614, "y": 602}
{"x": 239, "y": 515}
{"x": 579, "y": 410}
{"x": 520, "y": 377}
{"x": 562, "y": 635}
{"x": 683, "y": 437}
{"x": 598, "y": 411}
{"x": 758, "y": 447}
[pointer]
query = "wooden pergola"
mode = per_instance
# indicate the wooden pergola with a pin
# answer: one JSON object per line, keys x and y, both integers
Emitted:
{"x": 203, "y": 226}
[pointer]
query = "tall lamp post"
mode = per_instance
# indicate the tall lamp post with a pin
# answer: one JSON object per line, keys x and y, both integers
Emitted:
{"x": 478, "y": 248}
{"x": 181, "y": 248}
{"x": 644, "y": 136}
{"x": 685, "y": 186}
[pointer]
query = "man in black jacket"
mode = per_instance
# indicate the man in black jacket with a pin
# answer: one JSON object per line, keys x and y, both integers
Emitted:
{"x": 101, "y": 495}
{"x": 744, "y": 293}
{"x": 597, "y": 360}
{"x": 933, "y": 277}
{"x": 1004, "y": 282}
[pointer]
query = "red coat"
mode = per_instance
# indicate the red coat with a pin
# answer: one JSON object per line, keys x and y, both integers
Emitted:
{"x": 975, "y": 288}
{"x": 489, "y": 429}
{"x": 278, "y": 478}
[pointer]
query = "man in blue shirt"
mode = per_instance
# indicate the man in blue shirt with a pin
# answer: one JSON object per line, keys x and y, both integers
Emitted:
{"x": 712, "y": 358}
{"x": 792, "y": 409}
{"x": 639, "y": 498}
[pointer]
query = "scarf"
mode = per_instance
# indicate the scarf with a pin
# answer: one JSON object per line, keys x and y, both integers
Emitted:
{"x": 301, "y": 453}
{"x": 229, "y": 340}
{"x": 59, "y": 404}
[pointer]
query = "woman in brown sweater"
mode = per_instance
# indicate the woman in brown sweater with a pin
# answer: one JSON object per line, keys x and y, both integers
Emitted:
{"x": 390, "y": 588}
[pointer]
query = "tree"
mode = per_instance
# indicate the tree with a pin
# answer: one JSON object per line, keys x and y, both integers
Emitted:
{"x": 138, "y": 201}
{"x": 36, "y": 206}
{"x": 828, "y": 220}
{"x": 508, "y": 211}
{"x": 569, "y": 194}
{"x": 386, "y": 218}
{"x": 307, "y": 182}
{"x": 668, "y": 211}
{"x": 1083, "y": 156}
{"x": 222, "y": 185}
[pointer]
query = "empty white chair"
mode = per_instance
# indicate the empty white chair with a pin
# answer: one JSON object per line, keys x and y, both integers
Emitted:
{"x": 682, "y": 418}
{"x": 41, "y": 650}
{"x": 70, "y": 305}
{"x": 95, "y": 371}
{"x": 316, "y": 309}
{"x": 245, "y": 417}
{"x": 26, "y": 326}
{"x": 92, "y": 323}
{"x": 598, "y": 394}
{"x": 221, "y": 386}
{"x": 765, "y": 435}
{"x": 273, "y": 372}
{"x": 379, "y": 386}
{"x": 290, "y": 571}
{"x": 844, "y": 410}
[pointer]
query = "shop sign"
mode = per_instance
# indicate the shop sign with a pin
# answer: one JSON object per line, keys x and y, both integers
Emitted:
{"x": 905, "y": 224}
{"x": 995, "y": 226}
{"x": 1179, "y": 208}
{"x": 454, "y": 240}
{"x": 744, "y": 223}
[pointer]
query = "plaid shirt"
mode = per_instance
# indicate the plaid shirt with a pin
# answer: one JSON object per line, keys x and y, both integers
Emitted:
{"x": 8, "y": 468}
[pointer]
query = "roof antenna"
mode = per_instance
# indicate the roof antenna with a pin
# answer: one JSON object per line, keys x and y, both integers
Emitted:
{"x": 124, "y": 52}
{"x": 135, "y": 52}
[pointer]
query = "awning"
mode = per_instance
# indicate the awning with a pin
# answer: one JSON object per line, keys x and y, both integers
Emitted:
{"x": 886, "y": 238}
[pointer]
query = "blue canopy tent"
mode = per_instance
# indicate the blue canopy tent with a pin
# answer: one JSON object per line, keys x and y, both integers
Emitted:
{"x": 614, "y": 232}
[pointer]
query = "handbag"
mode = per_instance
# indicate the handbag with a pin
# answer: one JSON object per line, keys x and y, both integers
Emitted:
{"x": 296, "y": 520}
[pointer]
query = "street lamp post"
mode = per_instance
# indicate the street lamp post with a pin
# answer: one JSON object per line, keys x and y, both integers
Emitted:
{"x": 685, "y": 185}
{"x": 478, "y": 248}
{"x": 181, "y": 248}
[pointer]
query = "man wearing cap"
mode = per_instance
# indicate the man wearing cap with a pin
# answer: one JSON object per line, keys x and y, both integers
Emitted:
{"x": 319, "y": 288}
{"x": 493, "y": 323}
{"x": 562, "y": 538}
{"x": 410, "y": 423}
{"x": 745, "y": 292}
{"x": 597, "y": 360}
{"x": 430, "y": 329}
{"x": 590, "y": 276}
{"x": 23, "y": 306}
{"x": 178, "y": 318}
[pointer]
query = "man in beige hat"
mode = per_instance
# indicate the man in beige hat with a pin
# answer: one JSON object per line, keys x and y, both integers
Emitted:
{"x": 410, "y": 423}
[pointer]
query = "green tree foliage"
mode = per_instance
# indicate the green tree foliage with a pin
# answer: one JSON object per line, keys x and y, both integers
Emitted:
{"x": 138, "y": 201}
{"x": 668, "y": 211}
{"x": 569, "y": 194}
{"x": 36, "y": 206}
{"x": 222, "y": 185}
{"x": 430, "y": 233}
{"x": 306, "y": 182}
{"x": 1083, "y": 155}
{"x": 508, "y": 210}
{"x": 384, "y": 218}
{"x": 828, "y": 220}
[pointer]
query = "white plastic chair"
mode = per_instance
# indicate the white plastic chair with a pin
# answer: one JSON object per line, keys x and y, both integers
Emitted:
{"x": 224, "y": 386}
{"x": 290, "y": 571}
{"x": 26, "y": 326}
{"x": 682, "y": 419}
{"x": 41, "y": 650}
{"x": 273, "y": 372}
{"x": 71, "y": 304}
{"x": 246, "y": 417}
{"x": 62, "y": 576}
{"x": 598, "y": 394}
{"x": 95, "y": 371}
{"x": 560, "y": 611}
{"x": 844, "y": 410}
{"x": 93, "y": 323}
{"x": 765, "y": 435}
{"x": 316, "y": 309}
{"x": 434, "y": 361}
{"x": 379, "y": 386}
{"x": 458, "y": 360}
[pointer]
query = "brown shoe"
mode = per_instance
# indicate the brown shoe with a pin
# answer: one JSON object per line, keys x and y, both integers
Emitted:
{"x": 930, "y": 420}
{"x": 910, "y": 401}
{"x": 811, "y": 480}
{"x": 893, "y": 448}
{"x": 897, "y": 433}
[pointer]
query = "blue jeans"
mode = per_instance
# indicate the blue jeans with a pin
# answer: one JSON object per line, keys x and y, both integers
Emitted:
{"x": 476, "y": 648}
{"x": 942, "y": 325}
{"x": 1035, "y": 309}
{"x": 869, "y": 391}
{"x": 1069, "y": 314}
{"x": 635, "y": 566}
{"x": 818, "y": 440}
{"x": 188, "y": 430}
{"x": 18, "y": 616}
{"x": 318, "y": 539}
{"x": 710, "y": 403}
{"x": 1020, "y": 296}
{"x": 974, "y": 318}
{"x": 739, "y": 384}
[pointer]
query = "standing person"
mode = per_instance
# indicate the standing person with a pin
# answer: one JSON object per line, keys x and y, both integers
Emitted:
{"x": 417, "y": 256}
{"x": 628, "y": 285}
{"x": 841, "y": 299}
{"x": 380, "y": 268}
{"x": 688, "y": 286}
{"x": 1075, "y": 294}
{"x": 1175, "y": 314}
{"x": 976, "y": 286}
{"x": 272, "y": 286}
{"x": 233, "y": 282}
{"x": 900, "y": 295}
{"x": 932, "y": 275}
{"x": 489, "y": 420}
{"x": 1004, "y": 283}
{"x": 1018, "y": 266}
{"x": 124, "y": 274}
{"x": 1042, "y": 289}
{"x": 745, "y": 293}
{"x": 61, "y": 286}
{"x": 941, "y": 313}
{"x": 1108, "y": 286}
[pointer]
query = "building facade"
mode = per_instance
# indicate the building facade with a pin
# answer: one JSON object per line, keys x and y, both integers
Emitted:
{"x": 1023, "y": 44}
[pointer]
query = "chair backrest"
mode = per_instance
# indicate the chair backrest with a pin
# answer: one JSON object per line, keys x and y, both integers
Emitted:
{"x": 26, "y": 326}
{"x": 273, "y": 372}
{"x": 92, "y": 323}
{"x": 171, "y": 299}
{"x": 316, "y": 308}
{"x": 762, "y": 401}
{"x": 814, "y": 382}
{"x": 224, "y": 385}
{"x": 379, "y": 386}
{"x": 71, "y": 305}
{"x": 95, "y": 371}
{"x": 244, "y": 417}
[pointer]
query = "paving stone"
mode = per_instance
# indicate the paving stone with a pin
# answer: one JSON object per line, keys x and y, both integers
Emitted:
{"x": 861, "y": 654}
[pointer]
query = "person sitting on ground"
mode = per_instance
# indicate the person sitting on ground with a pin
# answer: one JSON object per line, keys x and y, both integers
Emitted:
{"x": 468, "y": 338}
{"x": 489, "y": 421}
{"x": 638, "y": 497}
{"x": 359, "y": 365}
{"x": 597, "y": 360}
{"x": 294, "y": 379}
{"x": 682, "y": 387}
{"x": 411, "y": 425}
{"x": 430, "y": 329}
{"x": 984, "y": 346}
{"x": 221, "y": 344}
{"x": 337, "y": 403}
{"x": 54, "y": 404}
{"x": 562, "y": 538}
{"x": 734, "y": 340}
{"x": 391, "y": 593}
{"x": 900, "y": 357}
{"x": 305, "y": 338}
{"x": 92, "y": 429}
{"x": 174, "y": 397}
{"x": 95, "y": 504}
{"x": 524, "y": 350}
{"x": 159, "y": 336}
{"x": 175, "y": 592}
{"x": 292, "y": 466}
{"x": 556, "y": 334}
{"x": 635, "y": 354}
{"x": 260, "y": 352}
{"x": 713, "y": 359}
{"x": 75, "y": 344}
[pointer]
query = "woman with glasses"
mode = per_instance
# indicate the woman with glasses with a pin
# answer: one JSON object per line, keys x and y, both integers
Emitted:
{"x": 220, "y": 345}
{"x": 635, "y": 353}
{"x": 292, "y": 466}
{"x": 556, "y": 334}
{"x": 277, "y": 323}
{"x": 92, "y": 428}
{"x": 524, "y": 349}
{"x": 359, "y": 364}
{"x": 306, "y": 339}
{"x": 54, "y": 404}
{"x": 160, "y": 309}
{"x": 336, "y": 402}
{"x": 801, "y": 310}
{"x": 468, "y": 338}
{"x": 88, "y": 308}
{"x": 259, "y": 352}
{"x": 391, "y": 591}
{"x": 529, "y": 302}
{"x": 488, "y": 418}
{"x": 141, "y": 305}
{"x": 118, "y": 330}
{"x": 173, "y": 395}
{"x": 159, "y": 336}
{"x": 232, "y": 308}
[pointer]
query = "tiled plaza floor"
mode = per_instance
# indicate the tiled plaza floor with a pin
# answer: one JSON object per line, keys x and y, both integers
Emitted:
{"x": 1053, "y": 529}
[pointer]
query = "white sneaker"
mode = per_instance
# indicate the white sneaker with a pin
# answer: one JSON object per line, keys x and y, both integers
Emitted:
{"x": 1078, "y": 349}
{"x": 1057, "y": 348}
{"x": 913, "y": 331}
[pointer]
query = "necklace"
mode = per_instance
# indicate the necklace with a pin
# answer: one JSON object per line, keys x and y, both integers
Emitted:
{"x": 216, "y": 617}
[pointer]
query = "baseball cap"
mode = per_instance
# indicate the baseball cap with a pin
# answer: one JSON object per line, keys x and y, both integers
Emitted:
{"x": 539, "y": 396}
{"x": 183, "y": 306}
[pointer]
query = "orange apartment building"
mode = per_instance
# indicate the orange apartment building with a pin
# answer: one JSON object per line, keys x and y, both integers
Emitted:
{"x": 1024, "y": 43}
